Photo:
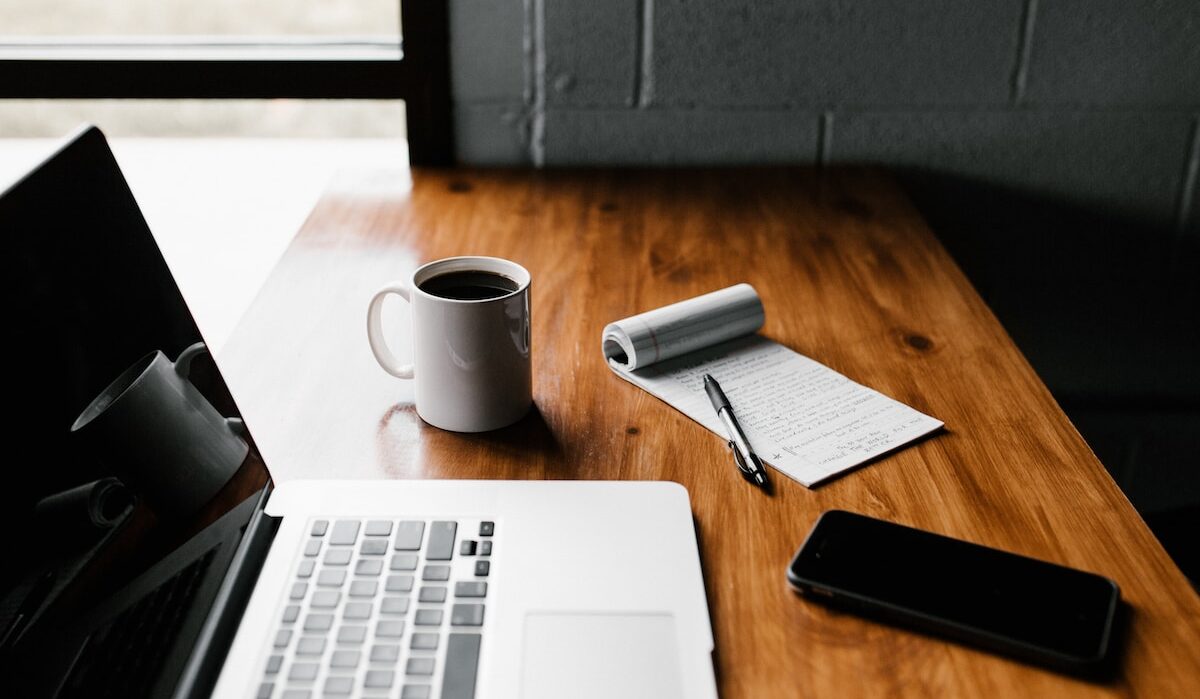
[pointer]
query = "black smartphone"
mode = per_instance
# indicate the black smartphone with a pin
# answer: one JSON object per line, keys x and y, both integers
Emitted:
{"x": 1023, "y": 607}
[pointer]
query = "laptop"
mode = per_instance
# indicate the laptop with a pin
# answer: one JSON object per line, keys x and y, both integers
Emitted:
{"x": 219, "y": 581}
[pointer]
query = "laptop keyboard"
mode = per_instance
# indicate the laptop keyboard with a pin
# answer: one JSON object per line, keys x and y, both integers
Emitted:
{"x": 123, "y": 658}
{"x": 381, "y": 608}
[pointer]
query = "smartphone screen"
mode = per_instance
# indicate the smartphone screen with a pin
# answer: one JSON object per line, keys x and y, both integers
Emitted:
{"x": 999, "y": 600}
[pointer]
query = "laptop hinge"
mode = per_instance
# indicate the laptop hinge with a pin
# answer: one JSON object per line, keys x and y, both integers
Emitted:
{"x": 208, "y": 655}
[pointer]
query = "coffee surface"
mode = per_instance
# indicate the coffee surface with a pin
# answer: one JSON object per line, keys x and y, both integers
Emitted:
{"x": 469, "y": 285}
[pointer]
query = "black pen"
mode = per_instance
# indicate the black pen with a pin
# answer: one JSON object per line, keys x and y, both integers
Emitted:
{"x": 743, "y": 455}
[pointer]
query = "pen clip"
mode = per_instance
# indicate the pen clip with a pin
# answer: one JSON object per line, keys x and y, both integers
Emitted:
{"x": 741, "y": 462}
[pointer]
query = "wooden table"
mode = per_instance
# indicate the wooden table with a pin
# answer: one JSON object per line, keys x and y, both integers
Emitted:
{"x": 849, "y": 274}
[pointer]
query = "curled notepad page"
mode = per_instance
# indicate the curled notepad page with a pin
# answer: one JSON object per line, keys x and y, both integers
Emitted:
{"x": 803, "y": 418}
{"x": 671, "y": 331}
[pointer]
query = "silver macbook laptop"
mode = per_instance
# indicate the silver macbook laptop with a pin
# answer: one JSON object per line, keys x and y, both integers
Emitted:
{"x": 220, "y": 582}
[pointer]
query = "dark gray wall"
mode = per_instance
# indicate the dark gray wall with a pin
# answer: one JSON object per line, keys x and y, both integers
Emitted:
{"x": 1093, "y": 102}
{"x": 1075, "y": 85}
{"x": 1053, "y": 144}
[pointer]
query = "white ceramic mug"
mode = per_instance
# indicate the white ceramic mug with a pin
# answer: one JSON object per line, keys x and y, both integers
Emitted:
{"x": 470, "y": 356}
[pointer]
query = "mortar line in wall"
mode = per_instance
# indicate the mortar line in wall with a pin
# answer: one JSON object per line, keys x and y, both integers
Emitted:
{"x": 527, "y": 58}
{"x": 643, "y": 82}
{"x": 537, "y": 130}
{"x": 1024, "y": 50}
{"x": 824, "y": 138}
{"x": 893, "y": 108}
{"x": 1191, "y": 173}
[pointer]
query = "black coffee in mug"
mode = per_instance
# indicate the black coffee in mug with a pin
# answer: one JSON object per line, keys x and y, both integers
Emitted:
{"x": 469, "y": 285}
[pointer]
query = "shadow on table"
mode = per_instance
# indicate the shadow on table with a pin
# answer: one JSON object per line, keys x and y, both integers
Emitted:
{"x": 532, "y": 436}
{"x": 404, "y": 437}
{"x": 1103, "y": 298}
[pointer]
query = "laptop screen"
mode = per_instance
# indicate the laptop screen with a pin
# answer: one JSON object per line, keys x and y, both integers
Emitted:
{"x": 112, "y": 395}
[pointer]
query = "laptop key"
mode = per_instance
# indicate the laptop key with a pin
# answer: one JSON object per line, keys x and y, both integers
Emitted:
{"x": 352, "y": 634}
{"x": 297, "y": 694}
{"x": 485, "y": 548}
{"x": 389, "y": 629}
{"x": 385, "y": 653}
{"x": 409, "y": 536}
{"x": 274, "y": 663}
{"x": 312, "y": 547}
{"x": 379, "y": 679}
{"x": 306, "y": 568}
{"x": 357, "y": 610}
{"x": 345, "y": 532}
{"x": 326, "y": 599}
{"x": 466, "y": 615}
{"x": 368, "y": 567}
{"x": 428, "y": 617}
{"x": 291, "y": 613}
{"x": 424, "y": 641}
{"x": 363, "y": 588}
{"x": 331, "y": 578}
{"x": 487, "y": 528}
{"x": 373, "y": 547}
{"x": 378, "y": 527}
{"x": 482, "y": 568}
{"x": 303, "y": 672}
{"x": 415, "y": 691}
{"x": 470, "y": 588}
{"x": 283, "y": 638}
{"x": 319, "y": 527}
{"x": 299, "y": 590}
{"x": 404, "y": 561}
{"x": 265, "y": 690}
{"x": 466, "y": 548}
{"x": 338, "y": 557}
{"x": 343, "y": 659}
{"x": 399, "y": 583}
{"x": 436, "y": 573}
{"x": 394, "y": 605}
{"x": 432, "y": 594}
{"x": 339, "y": 686}
{"x": 419, "y": 666}
{"x": 318, "y": 622}
{"x": 310, "y": 645}
{"x": 462, "y": 663}
{"x": 441, "y": 541}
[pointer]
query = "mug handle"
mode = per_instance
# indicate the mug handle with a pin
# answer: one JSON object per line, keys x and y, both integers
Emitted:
{"x": 183, "y": 365}
{"x": 375, "y": 331}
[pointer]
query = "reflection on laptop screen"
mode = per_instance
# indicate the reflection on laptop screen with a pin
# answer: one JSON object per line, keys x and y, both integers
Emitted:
{"x": 108, "y": 379}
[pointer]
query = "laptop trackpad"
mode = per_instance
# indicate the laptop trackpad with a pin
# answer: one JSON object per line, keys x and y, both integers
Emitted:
{"x": 600, "y": 656}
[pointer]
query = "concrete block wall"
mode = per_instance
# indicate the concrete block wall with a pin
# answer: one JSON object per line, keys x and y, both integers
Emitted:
{"x": 1094, "y": 101}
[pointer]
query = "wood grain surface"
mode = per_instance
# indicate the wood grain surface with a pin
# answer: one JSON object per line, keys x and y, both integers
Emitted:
{"x": 850, "y": 275}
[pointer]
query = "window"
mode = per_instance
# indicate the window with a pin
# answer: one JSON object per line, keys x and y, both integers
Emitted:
{"x": 235, "y": 50}
{"x": 377, "y": 19}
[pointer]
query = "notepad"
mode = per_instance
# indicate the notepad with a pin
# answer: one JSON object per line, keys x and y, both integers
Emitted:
{"x": 804, "y": 419}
